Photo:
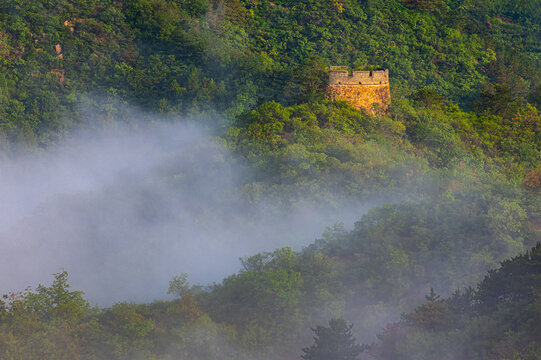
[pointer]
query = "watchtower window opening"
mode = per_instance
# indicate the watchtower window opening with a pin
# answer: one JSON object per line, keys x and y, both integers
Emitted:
{"x": 339, "y": 83}
{"x": 370, "y": 74}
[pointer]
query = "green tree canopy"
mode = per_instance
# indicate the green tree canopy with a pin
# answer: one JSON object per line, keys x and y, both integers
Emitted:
{"x": 333, "y": 342}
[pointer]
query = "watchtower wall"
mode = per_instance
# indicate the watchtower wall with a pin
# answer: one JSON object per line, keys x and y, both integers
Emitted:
{"x": 368, "y": 90}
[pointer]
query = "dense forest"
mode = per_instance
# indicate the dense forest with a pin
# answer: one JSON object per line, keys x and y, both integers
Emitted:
{"x": 497, "y": 319}
{"x": 225, "y": 57}
{"x": 454, "y": 169}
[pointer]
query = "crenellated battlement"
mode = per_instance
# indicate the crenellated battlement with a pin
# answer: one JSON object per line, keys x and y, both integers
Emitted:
{"x": 339, "y": 75}
{"x": 368, "y": 90}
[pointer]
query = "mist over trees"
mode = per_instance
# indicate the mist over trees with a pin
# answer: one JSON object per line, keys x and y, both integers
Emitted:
{"x": 333, "y": 342}
{"x": 143, "y": 142}
{"x": 497, "y": 319}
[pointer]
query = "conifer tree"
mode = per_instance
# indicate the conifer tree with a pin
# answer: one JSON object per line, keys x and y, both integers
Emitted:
{"x": 334, "y": 342}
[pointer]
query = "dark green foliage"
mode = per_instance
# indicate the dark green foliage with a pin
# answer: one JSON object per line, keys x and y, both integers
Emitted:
{"x": 498, "y": 320}
{"x": 514, "y": 284}
{"x": 201, "y": 56}
{"x": 463, "y": 185}
{"x": 309, "y": 81}
{"x": 393, "y": 255}
{"x": 333, "y": 342}
{"x": 428, "y": 98}
{"x": 498, "y": 101}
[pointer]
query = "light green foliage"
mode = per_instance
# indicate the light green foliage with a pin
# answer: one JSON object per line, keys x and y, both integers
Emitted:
{"x": 54, "y": 323}
{"x": 43, "y": 324}
{"x": 274, "y": 295}
{"x": 57, "y": 301}
{"x": 201, "y": 56}
{"x": 269, "y": 289}
{"x": 325, "y": 151}
{"x": 128, "y": 332}
{"x": 179, "y": 285}
{"x": 458, "y": 156}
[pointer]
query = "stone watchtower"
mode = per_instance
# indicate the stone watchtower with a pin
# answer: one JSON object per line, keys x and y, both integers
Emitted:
{"x": 368, "y": 90}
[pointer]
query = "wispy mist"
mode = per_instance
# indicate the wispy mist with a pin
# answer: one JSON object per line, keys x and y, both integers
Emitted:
{"x": 125, "y": 209}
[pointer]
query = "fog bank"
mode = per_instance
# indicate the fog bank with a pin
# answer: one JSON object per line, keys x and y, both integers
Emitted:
{"x": 125, "y": 209}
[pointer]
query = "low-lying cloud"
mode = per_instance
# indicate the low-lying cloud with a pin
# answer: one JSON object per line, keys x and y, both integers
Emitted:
{"x": 125, "y": 209}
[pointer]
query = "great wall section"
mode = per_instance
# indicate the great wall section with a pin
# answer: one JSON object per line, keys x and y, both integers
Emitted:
{"x": 368, "y": 90}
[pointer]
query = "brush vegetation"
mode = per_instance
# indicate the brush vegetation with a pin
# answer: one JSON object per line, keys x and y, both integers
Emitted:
{"x": 458, "y": 157}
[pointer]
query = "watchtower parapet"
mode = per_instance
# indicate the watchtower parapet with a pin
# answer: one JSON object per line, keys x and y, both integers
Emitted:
{"x": 339, "y": 75}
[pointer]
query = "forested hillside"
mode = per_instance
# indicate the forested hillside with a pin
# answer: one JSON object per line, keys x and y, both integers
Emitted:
{"x": 452, "y": 171}
{"x": 225, "y": 57}
{"x": 499, "y": 319}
